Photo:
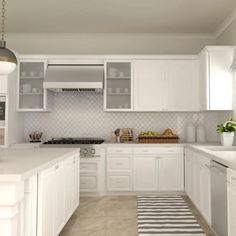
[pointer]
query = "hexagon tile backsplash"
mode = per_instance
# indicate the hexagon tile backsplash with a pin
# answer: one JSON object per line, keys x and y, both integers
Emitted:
{"x": 82, "y": 115}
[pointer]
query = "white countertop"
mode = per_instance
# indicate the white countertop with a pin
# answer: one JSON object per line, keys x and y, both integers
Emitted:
{"x": 20, "y": 163}
{"x": 227, "y": 158}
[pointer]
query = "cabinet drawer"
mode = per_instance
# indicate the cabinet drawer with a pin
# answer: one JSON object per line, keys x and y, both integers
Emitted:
{"x": 88, "y": 167}
{"x": 119, "y": 163}
{"x": 115, "y": 151}
{"x": 141, "y": 151}
{"x": 119, "y": 183}
{"x": 88, "y": 182}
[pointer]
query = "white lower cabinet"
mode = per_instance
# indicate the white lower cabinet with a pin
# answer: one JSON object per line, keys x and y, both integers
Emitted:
{"x": 46, "y": 207}
{"x": 30, "y": 206}
{"x": 89, "y": 176}
{"x": 145, "y": 169}
{"x": 120, "y": 182}
{"x": 119, "y": 170}
{"x": 145, "y": 173}
{"x": 198, "y": 182}
{"x": 171, "y": 173}
{"x": 231, "y": 193}
{"x": 58, "y": 196}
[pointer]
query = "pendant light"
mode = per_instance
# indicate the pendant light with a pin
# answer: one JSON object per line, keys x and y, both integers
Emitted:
{"x": 8, "y": 59}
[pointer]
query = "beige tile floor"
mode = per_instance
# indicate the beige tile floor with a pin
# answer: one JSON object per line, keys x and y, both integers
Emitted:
{"x": 111, "y": 216}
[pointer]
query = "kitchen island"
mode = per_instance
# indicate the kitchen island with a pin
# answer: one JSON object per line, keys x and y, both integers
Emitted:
{"x": 39, "y": 190}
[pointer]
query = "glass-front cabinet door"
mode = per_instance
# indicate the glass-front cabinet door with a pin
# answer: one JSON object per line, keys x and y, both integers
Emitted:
{"x": 118, "y": 85}
{"x": 31, "y": 95}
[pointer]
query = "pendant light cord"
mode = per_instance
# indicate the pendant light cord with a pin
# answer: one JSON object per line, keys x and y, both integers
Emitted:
{"x": 3, "y": 20}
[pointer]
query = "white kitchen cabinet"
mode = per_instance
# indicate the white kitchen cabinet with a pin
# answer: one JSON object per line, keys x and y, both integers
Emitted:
{"x": 121, "y": 182}
{"x": 60, "y": 192}
{"x": 182, "y": 85}
{"x": 216, "y": 78}
{"x": 198, "y": 182}
{"x": 58, "y": 196}
{"x": 46, "y": 206}
{"x": 118, "y": 94}
{"x": 89, "y": 176}
{"x": 166, "y": 85}
{"x": 145, "y": 173}
{"x": 145, "y": 169}
{"x": 171, "y": 173}
{"x": 119, "y": 169}
{"x": 3, "y": 84}
{"x": 189, "y": 174}
{"x": 231, "y": 195}
{"x": 205, "y": 191}
{"x": 69, "y": 188}
{"x": 149, "y": 85}
{"x": 30, "y": 206}
{"x": 31, "y": 96}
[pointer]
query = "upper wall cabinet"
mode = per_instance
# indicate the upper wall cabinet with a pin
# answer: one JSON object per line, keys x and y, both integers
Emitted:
{"x": 31, "y": 95}
{"x": 118, "y": 86}
{"x": 216, "y": 78}
{"x": 166, "y": 85}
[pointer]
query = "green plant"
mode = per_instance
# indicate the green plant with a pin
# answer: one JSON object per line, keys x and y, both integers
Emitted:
{"x": 228, "y": 126}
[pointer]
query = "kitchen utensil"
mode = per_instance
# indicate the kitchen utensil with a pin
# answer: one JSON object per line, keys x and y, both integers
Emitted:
{"x": 35, "y": 136}
{"x": 117, "y": 133}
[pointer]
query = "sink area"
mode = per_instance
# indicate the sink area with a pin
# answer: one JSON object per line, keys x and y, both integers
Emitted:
{"x": 222, "y": 149}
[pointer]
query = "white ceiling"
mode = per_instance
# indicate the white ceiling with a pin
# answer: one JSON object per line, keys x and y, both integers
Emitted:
{"x": 116, "y": 16}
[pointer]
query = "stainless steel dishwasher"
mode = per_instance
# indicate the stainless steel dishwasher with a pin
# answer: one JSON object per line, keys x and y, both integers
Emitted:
{"x": 219, "y": 198}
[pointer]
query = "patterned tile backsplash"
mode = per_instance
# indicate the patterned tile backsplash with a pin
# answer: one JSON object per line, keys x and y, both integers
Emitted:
{"x": 82, "y": 115}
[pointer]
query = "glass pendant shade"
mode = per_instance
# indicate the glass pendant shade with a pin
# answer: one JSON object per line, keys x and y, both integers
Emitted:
{"x": 8, "y": 59}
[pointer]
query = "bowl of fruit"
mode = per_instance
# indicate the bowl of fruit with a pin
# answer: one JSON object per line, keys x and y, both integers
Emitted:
{"x": 167, "y": 136}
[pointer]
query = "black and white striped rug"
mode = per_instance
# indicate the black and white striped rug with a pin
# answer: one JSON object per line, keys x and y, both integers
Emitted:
{"x": 166, "y": 215}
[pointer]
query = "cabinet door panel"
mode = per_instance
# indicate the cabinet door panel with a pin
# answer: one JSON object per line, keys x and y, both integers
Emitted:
{"x": 145, "y": 173}
{"x": 59, "y": 197}
{"x": 171, "y": 173}
{"x": 182, "y": 85}
{"x": 46, "y": 207}
{"x": 149, "y": 84}
{"x": 231, "y": 209}
{"x": 205, "y": 193}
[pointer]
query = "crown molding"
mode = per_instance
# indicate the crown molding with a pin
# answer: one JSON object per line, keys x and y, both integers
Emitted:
{"x": 107, "y": 35}
{"x": 225, "y": 24}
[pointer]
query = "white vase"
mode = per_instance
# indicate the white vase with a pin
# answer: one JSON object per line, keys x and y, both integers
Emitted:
{"x": 227, "y": 138}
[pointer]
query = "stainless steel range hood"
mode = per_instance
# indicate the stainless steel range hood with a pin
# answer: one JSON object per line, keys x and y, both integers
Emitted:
{"x": 74, "y": 78}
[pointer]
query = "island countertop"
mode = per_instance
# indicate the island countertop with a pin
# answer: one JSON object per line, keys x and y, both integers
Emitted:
{"x": 20, "y": 163}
